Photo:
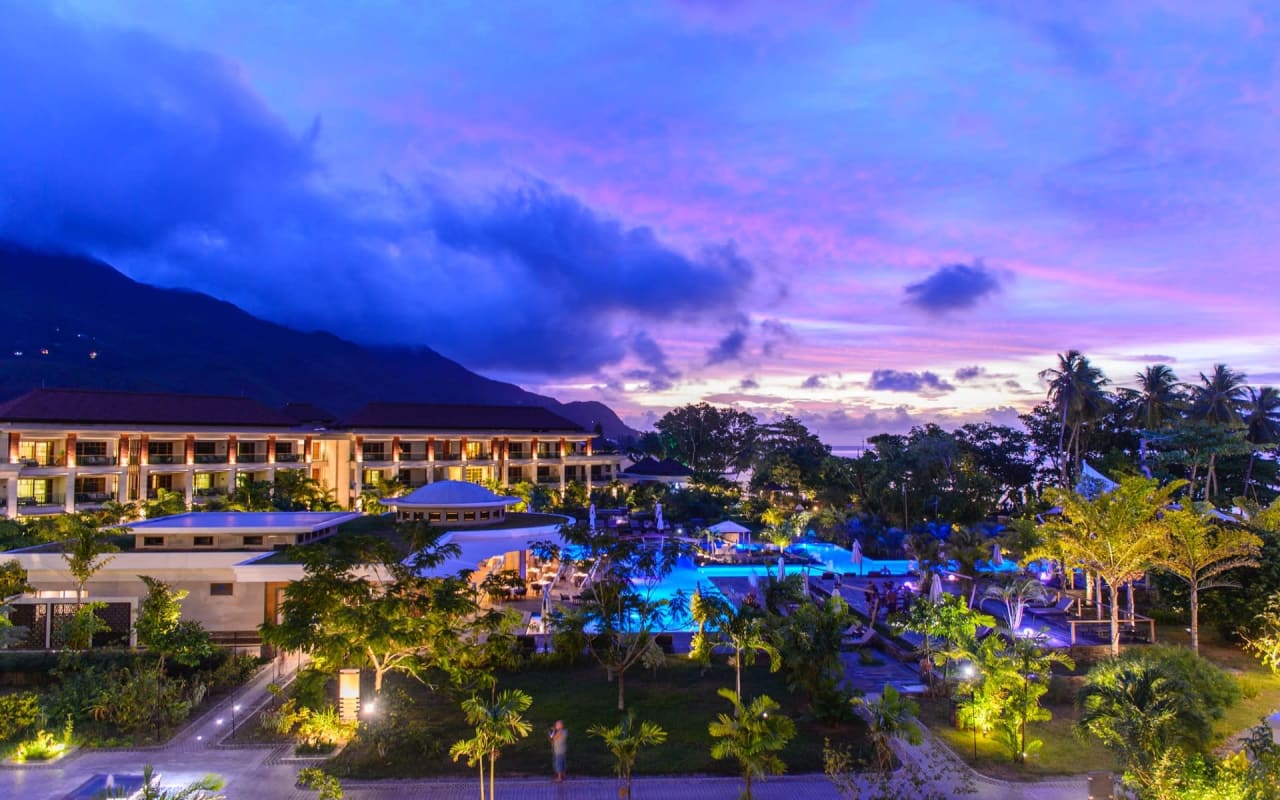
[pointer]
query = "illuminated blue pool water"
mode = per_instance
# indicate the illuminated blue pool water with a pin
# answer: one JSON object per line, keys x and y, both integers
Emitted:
{"x": 839, "y": 559}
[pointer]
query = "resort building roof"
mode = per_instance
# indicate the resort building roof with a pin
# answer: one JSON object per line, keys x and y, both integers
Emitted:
{"x": 93, "y": 407}
{"x": 423, "y": 416}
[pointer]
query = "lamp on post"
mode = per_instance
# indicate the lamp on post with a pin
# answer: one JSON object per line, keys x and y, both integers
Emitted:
{"x": 234, "y": 708}
{"x": 348, "y": 694}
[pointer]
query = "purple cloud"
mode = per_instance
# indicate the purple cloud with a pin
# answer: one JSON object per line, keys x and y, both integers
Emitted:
{"x": 891, "y": 380}
{"x": 952, "y": 288}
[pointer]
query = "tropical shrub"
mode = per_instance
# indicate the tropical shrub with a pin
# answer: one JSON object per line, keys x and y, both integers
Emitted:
{"x": 18, "y": 713}
{"x": 41, "y": 748}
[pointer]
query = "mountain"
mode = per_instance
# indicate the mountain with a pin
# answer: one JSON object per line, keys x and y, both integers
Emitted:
{"x": 70, "y": 321}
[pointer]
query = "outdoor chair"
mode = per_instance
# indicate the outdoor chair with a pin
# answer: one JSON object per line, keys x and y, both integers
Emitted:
{"x": 1060, "y": 608}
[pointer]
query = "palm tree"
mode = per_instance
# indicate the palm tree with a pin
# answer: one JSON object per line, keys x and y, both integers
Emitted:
{"x": 1158, "y": 398}
{"x": 966, "y": 547}
{"x": 497, "y": 724}
{"x": 624, "y": 741}
{"x": 1262, "y": 425}
{"x": 1116, "y": 535}
{"x": 1198, "y": 550}
{"x": 889, "y": 718}
{"x": 85, "y": 549}
{"x": 1016, "y": 592}
{"x": 1077, "y": 394}
{"x": 1138, "y": 711}
{"x": 1217, "y": 401}
{"x": 744, "y": 629}
{"x": 753, "y": 735}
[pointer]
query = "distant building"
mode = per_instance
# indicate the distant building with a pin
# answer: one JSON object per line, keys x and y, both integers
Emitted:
{"x": 74, "y": 450}
{"x": 649, "y": 470}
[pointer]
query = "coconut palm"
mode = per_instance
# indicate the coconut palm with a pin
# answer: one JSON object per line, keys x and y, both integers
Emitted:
{"x": 1077, "y": 394}
{"x": 1262, "y": 425}
{"x": 1217, "y": 401}
{"x": 753, "y": 735}
{"x": 966, "y": 547}
{"x": 1199, "y": 551}
{"x": 85, "y": 548}
{"x": 624, "y": 741}
{"x": 497, "y": 724}
{"x": 1158, "y": 398}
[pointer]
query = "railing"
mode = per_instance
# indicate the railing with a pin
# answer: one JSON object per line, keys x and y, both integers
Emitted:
{"x": 164, "y": 458}
{"x": 59, "y": 460}
{"x": 288, "y": 458}
{"x": 95, "y": 460}
{"x": 251, "y": 458}
{"x": 484, "y": 455}
{"x": 519, "y": 454}
{"x": 548, "y": 453}
{"x": 448, "y": 456}
{"x": 213, "y": 491}
{"x": 211, "y": 458}
{"x": 93, "y": 497}
{"x": 38, "y": 502}
{"x": 375, "y": 455}
{"x": 406, "y": 455}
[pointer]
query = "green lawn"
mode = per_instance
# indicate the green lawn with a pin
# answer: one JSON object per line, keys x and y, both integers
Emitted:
{"x": 1261, "y": 686}
{"x": 679, "y": 698}
{"x": 1062, "y": 754}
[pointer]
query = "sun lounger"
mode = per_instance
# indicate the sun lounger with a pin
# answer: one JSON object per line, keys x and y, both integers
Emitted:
{"x": 1061, "y": 608}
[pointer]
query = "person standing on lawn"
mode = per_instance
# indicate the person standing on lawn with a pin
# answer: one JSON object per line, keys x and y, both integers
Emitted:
{"x": 559, "y": 737}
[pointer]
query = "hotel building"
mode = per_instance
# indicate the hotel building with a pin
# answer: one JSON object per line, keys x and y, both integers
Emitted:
{"x": 74, "y": 450}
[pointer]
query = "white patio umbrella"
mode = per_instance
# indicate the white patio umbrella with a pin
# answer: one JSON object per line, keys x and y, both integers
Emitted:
{"x": 855, "y": 555}
{"x": 657, "y": 516}
{"x": 997, "y": 557}
{"x": 546, "y": 604}
{"x": 782, "y": 568}
{"x": 935, "y": 589}
{"x": 591, "y": 516}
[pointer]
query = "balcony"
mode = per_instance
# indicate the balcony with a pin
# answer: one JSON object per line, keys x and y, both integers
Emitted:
{"x": 211, "y": 491}
{"x": 59, "y": 460}
{"x": 93, "y": 498}
{"x": 375, "y": 456}
{"x": 448, "y": 456}
{"x": 288, "y": 458}
{"x": 553, "y": 454}
{"x": 164, "y": 458}
{"x": 211, "y": 458}
{"x": 251, "y": 458}
{"x": 96, "y": 460}
{"x": 518, "y": 454}
{"x": 406, "y": 455}
{"x": 36, "y": 503}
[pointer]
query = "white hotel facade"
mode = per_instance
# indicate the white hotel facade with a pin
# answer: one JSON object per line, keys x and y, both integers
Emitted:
{"x": 74, "y": 450}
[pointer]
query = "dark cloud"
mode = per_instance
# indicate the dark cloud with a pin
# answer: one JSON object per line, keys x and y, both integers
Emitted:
{"x": 952, "y": 288}
{"x": 891, "y": 380}
{"x": 968, "y": 373}
{"x": 748, "y": 383}
{"x": 163, "y": 162}
{"x": 776, "y": 333}
{"x": 729, "y": 348}
{"x": 814, "y": 382}
{"x": 657, "y": 374}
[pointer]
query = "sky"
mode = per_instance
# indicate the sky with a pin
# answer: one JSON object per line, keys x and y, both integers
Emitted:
{"x": 869, "y": 215}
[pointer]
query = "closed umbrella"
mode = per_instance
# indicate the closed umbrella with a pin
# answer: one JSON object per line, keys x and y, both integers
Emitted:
{"x": 855, "y": 555}
{"x": 782, "y": 568}
{"x": 546, "y": 604}
{"x": 997, "y": 557}
{"x": 806, "y": 581}
{"x": 591, "y": 516}
{"x": 935, "y": 589}
{"x": 657, "y": 516}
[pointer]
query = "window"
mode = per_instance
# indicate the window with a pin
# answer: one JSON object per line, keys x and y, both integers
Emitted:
{"x": 221, "y": 589}
{"x": 252, "y": 541}
{"x": 469, "y": 516}
{"x": 433, "y": 516}
{"x": 206, "y": 448}
{"x": 203, "y": 480}
{"x": 451, "y": 516}
{"x": 153, "y": 541}
{"x": 203, "y": 541}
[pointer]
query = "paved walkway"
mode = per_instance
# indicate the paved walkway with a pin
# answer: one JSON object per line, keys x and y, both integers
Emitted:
{"x": 264, "y": 772}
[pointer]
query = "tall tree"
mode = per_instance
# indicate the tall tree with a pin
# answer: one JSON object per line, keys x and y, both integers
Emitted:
{"x": 1116, "y": 535}
{"x": 709, "y": 439}
{"x": 1076, "y": 390}
{"x": 1217, "y": 400}
{"x": 1262, "y": 427}
{"x": 1158, "y": 399}
{"x": 1199, "y": 550}
{"x": 160, "y": 626}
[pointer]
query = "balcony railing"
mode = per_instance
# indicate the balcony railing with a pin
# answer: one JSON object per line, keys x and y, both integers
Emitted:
{"x": 375, "y": 455}
{"x": 548, "y": 453}
{"x": 164, "y": 458}
{"x": 251, "y": 458}
{"x": 448, "y": 456}
{"x": 406, "y": 455}
{"x": 59, "y": 460}
{"x": 93, "y": 497}
{"x": 514, "y": 454}
{"x": 96, "y": 460}
{"x": 212, "y": 491}
{"x": 30, "y": 501}
{"x": 211, "y": 458}
{"x": 288, "y": 458}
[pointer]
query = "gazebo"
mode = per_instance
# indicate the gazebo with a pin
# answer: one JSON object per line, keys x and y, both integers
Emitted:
{"x": 730, "y": 531}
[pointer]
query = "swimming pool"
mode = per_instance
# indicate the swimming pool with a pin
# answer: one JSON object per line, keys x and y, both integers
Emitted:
{"x": 839, "y": 559}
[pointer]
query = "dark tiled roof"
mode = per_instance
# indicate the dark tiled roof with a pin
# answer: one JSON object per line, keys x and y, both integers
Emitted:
{"x": 667, "y": 468}
{"x": 93, "y": 407}
{"x": 423, "y": 416}
{"x": 309, "y": 412}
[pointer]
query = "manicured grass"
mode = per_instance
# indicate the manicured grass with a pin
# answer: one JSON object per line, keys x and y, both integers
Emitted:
{"x": 679, "y": 698}
{"x": 1063, "y": 753}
